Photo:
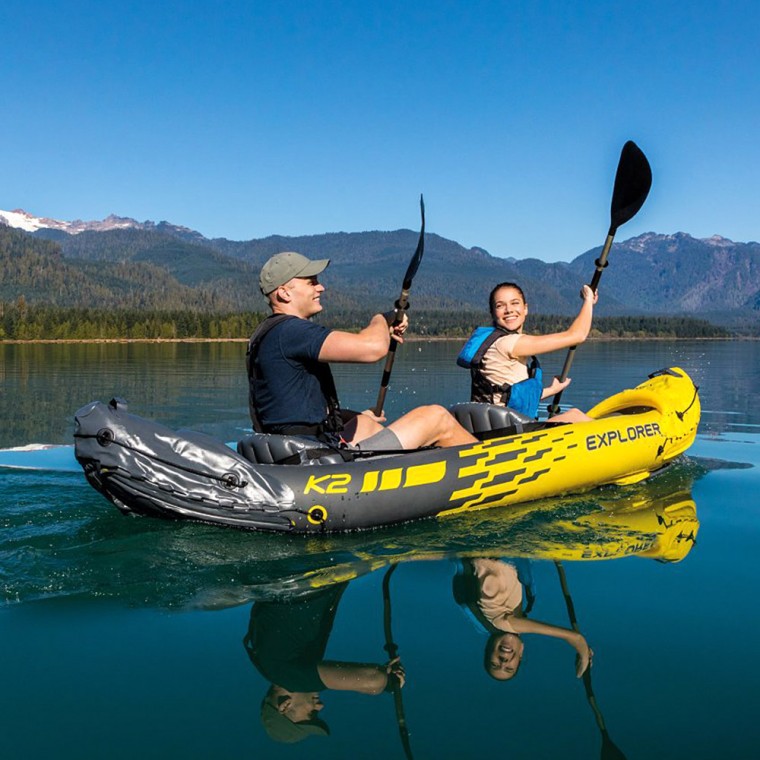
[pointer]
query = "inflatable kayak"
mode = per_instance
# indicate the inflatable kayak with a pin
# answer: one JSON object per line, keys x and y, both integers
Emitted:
{"x": 291, "y": 484}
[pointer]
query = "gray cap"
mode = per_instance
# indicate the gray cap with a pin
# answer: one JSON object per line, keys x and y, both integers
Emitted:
{"x": 283, "y": 730}
{"x": 283, "y": 267}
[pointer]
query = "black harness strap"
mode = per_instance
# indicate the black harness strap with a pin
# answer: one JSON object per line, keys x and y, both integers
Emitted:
{"x": 333, "y": 422}
{"x": 482, "y": 389}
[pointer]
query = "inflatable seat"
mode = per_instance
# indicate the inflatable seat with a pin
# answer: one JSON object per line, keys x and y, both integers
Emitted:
{"x": 266, "y": 448}
{"x": 480, "y": 419}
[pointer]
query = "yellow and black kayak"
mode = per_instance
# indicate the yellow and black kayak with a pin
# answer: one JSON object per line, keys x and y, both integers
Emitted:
{"x": 282, "y": 483}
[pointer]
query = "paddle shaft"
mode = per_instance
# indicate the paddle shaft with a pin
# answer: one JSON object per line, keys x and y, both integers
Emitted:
{"x": 574, "y": 624}
{"x": 601, "y": 263}
{"x": 391, "y": 355}
{"x": 401, "y": 306}
{"x": 392, "y": 649}
{"x": 609, "y": 750}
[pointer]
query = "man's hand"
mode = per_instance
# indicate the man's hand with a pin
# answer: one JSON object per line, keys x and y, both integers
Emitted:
{"x": 394, "y": 669}
{"x": 397, "y": 331}
{"x": 371, "y": 414}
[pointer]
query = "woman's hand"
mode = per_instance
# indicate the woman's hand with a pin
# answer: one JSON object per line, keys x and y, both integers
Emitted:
{"x": 584, "y": 656}
{"x": 589, "y": 295}
{"x": 371, "y": 414}
{"x": 555, "y": 386}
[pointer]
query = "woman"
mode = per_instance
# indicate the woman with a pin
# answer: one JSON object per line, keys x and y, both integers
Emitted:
{"x": 492, "y": 590}
{"x": 502, "y": 359}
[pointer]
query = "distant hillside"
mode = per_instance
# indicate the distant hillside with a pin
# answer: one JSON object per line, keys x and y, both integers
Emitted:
{"x": 678, "y": 274}
{"x": 37, "y": 271}
{"x": 168, "y": 267}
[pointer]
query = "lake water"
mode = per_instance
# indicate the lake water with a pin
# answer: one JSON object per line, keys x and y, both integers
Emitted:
{"x": 125, "y": 637}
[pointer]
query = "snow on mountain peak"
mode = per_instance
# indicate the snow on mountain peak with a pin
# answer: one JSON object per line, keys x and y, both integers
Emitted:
{"x": 23, "y": 220}
{"x": 20, "y": 219}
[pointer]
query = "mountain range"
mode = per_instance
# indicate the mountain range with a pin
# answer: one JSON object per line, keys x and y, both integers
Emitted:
{"x": 120, "y": 262}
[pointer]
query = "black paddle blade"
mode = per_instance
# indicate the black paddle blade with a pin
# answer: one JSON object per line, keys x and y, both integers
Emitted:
{"x": 415, "y": 262}
{"x": 610, "y": 750}
{"x": 632, "y": 183}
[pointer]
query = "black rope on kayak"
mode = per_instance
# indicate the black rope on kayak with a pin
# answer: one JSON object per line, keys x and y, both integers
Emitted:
{"x": 369, "y": 453}
{"x": 681, "y": 415}
{"x": 347, "y": 454}
{"x": 228, "y": 479}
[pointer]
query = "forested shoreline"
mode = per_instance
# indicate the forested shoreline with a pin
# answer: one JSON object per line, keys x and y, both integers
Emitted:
{"x": 22, "y": 322}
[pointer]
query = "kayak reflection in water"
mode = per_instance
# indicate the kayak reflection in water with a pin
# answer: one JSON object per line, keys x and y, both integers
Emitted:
{"x": 286, "y": 642}
{"x": 492, "y": 590}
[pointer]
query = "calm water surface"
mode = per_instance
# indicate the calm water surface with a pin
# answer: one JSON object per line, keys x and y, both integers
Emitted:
{"x": 125, "y": 637}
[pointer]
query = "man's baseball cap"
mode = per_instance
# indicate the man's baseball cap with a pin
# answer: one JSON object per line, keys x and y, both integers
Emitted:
{"x": 283, "y": 267}
{"x": 283, "y": 730}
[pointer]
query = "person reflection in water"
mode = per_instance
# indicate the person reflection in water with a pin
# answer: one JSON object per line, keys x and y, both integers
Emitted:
{"x": 492, "y": 590}
{"x": 286, "y": 642}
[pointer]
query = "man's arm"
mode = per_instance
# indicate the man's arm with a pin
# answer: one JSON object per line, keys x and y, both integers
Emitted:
{"x": 367, "y": 346}
{"x": 364, "y": 678}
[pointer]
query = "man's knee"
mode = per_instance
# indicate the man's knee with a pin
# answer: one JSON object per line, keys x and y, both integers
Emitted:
{"x": 435, "y": 414}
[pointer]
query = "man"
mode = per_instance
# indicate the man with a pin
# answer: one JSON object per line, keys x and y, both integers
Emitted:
{"x": 291, "y": 386}
{"x": 286, "y": 642}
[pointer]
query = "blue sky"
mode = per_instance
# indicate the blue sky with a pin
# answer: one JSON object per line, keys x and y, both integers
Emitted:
{"x": 245, "y": 119}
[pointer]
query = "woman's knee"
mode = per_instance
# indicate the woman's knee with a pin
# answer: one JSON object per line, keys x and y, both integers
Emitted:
{"x": 572, "y": 415}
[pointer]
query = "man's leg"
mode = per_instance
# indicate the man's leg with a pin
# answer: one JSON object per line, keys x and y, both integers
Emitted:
{"x": 360, "y": 427}
{"x": 430, "y": 426}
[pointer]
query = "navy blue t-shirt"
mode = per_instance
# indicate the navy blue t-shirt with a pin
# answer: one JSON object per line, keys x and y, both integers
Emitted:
{"x": 287, "y": 390}
{"x": 287, "y": 638}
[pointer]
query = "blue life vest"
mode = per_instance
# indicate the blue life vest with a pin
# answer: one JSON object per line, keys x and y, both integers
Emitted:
{"x": 523, "y": 396}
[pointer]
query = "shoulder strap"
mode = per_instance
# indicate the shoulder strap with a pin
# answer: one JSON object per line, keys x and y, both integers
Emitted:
{"x": 477, "y": 344}
{"x": 258, "y": 335}
{"x": 496, "y": 333}
{"x": 250, "y": 361}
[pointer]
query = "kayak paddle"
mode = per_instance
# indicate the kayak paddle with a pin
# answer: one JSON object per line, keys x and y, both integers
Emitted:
{"x": 610, "y": 751}
{"x": 392, "y": 649}
{"x": 401, "y": 305}
{"x": 633, "y": 180}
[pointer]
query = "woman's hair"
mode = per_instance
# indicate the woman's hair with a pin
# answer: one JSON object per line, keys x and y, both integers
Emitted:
{"x": 492, "y": 296}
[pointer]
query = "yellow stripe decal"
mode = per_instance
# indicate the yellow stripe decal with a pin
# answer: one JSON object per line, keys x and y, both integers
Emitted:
{"x": 370, "y": 481}
{"x": 424, "y": 474}
{"x": 391, "y": 479}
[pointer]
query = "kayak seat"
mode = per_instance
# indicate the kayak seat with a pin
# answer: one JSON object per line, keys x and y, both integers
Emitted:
{"x": 480, "y": 419}
{"x": 270, "y": 448}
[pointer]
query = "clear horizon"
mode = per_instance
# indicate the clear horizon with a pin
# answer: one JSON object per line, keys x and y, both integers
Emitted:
{"x": 245, "y": 120}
